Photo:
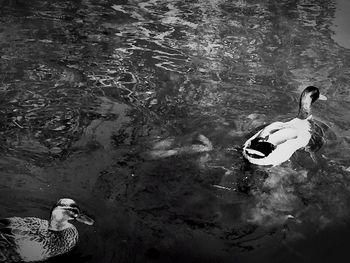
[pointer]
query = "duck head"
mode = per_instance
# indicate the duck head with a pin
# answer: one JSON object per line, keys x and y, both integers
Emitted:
{"x": 308, "y": 96}
{"x": 65, "y": 210}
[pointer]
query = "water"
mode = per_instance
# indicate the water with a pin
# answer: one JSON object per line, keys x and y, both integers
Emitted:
{"x": 105, "y": 102}
{"x": 342, "y": 22}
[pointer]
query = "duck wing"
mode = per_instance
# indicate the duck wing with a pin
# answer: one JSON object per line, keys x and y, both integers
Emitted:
{"x": 282, "y": 135}
{"x": 8, "y": 251}
{"x": 27, "y": 227}
{"x": 270, "y": 129}
{"x": 265, "y": 141}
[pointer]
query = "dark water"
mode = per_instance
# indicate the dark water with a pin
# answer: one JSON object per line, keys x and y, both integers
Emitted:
{"x": 103, "y": 102}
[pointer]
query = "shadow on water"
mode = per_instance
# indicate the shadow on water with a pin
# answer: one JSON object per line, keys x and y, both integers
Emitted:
{"x": 138, "y": 111}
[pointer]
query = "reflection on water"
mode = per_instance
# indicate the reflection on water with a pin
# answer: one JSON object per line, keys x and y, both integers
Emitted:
{"x": 138, "y": 110}
{"x": 342, "y": 23}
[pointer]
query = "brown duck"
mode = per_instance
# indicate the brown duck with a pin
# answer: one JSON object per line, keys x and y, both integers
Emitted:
{"x": 33, "y": 239}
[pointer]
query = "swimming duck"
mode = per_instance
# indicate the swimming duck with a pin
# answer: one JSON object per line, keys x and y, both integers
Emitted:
{"x": 277, "y": 142}
{"x": 33, "y": 239}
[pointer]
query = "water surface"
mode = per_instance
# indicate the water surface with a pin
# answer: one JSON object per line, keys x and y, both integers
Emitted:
{"x": 105, "y": 102}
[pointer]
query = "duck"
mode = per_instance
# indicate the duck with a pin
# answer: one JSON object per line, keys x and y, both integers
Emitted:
{"x": 28, "y": 239}
{"x": 277, "y": 142}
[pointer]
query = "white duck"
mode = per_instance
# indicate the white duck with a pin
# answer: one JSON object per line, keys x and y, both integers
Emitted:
{"x": 277, "y": 142}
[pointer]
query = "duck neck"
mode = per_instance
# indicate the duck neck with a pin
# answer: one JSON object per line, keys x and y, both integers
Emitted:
{"x": 304, "y": 108}
{"x": 303, "y": 114}
{"x": 58, "y": 225}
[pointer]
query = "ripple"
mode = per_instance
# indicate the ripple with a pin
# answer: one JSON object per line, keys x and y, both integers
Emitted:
{"x": 88, "y": 88}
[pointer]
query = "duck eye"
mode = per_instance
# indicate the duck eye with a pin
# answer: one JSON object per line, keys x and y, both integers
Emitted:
{"x": 73, "y": 212}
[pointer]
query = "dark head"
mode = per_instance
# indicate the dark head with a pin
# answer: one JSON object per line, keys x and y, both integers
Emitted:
{"x": 65, "y": 210}
{"x": 308, "y": 96}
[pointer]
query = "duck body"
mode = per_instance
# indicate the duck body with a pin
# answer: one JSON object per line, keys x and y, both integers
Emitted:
{"x": 31, "y": 239}
{"x": 277, "y": 142}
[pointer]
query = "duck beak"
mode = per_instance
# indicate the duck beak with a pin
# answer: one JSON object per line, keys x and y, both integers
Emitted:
{"x": 82, "y": 218}
{"x": 322, "y": 97}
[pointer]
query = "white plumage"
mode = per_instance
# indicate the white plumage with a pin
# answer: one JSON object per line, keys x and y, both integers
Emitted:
{"x": 277, "y": 142}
